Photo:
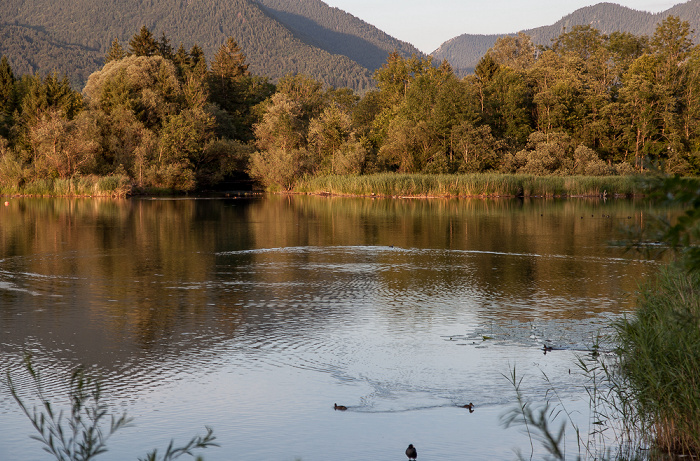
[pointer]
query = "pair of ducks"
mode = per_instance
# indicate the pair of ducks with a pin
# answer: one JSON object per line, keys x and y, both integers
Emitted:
{"x": 469, "y": 406}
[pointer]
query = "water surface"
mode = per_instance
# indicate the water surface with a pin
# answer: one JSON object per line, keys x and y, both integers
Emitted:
{"x": 255, "y": 315}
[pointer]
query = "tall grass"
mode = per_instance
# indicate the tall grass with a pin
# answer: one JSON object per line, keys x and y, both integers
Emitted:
{"x": 660, "y": 361}
{"x": 647, "y": 395}
{"x": 91, "y": 185}
{"x": 471, "y": 185}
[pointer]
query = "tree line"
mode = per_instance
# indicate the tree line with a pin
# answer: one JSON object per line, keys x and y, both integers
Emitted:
{"x": 590, "y": 103}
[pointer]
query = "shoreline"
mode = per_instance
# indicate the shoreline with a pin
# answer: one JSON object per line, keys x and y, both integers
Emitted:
{"x": 382, "y": 185}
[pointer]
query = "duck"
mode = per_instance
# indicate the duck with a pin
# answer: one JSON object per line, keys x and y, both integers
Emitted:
{"x": 547, "y": 348}
{"x": 411, "y": 452}
{"x": 339, "y": 407}
{"x": 469, "y": 407}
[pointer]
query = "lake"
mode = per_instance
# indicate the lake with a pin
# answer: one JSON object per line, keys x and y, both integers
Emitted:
{"x": 256, "y": 314}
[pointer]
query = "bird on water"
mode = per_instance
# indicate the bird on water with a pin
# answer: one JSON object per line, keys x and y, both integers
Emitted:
{"x": 339, "y": 407}
{"x": 411, "y": 452}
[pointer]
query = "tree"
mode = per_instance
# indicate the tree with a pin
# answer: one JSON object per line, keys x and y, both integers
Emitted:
{"x": 581, "y": 41}
{"x": 115, "y": 52}
{"x": 42, "y": 95}
{"x": 64, "y": 147}
{"x": 282, "y": 125}
{"x": 643, "y": 102}
{"x": 143, "y": 44}
{"x": 164, "y": 48}
{"x": 517, "y": 52}
{"x": 229, "y": 62}
{"x": 671, "y": 40}
{"x": 506, "y": 106}
{"x": 228, "y": 85}
{"x": 306, "y": 92}
{"x": 281, "y": 141}
{"x": 329, "y": 137}
{"x": 8, "y": 102}
{"x": 198, "y": 63}
{"x": 475, "y": 149}
{"x": 148, "y": 86}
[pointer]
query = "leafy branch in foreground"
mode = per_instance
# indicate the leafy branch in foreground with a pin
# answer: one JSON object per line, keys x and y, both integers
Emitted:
{"x": 83, "y": 434}
{"x": 79, "y": 437}
{"x": 173, "y": 453}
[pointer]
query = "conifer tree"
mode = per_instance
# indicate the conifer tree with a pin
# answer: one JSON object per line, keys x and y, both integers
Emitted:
{"x": 198, "y": 62}
{"x": 115, "y": 52}
{"x": 182, "y": 61}
{"x": 164, "y": 48}
{"x": 229, "y": 61}
{"x": 143, "y": 43}
{"x": 7, "y": 95}
{"x": 7, "y": 87}
{"x": 228, "y": 72}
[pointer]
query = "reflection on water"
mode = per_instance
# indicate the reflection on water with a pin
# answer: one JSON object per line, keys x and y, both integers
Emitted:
{"x": 255, "y": 315}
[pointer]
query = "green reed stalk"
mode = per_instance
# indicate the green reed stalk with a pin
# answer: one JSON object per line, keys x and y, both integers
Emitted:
{"x": 469, "y": 185}
{"x": 660, "y": 360}
{"x": 91, "y": 185}
{"x": 82, "y": 433}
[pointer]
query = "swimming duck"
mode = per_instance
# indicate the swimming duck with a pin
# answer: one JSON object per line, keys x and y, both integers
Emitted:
{"x": 469, "y": 407}
{"x": 411, "y": 452}
{"x": 339, "y": 407}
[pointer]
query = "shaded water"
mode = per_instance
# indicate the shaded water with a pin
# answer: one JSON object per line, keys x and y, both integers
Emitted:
{"x": 255, "y": 316}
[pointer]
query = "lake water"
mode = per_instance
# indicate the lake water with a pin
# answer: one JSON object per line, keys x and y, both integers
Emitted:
{"x": 254, "y": 315}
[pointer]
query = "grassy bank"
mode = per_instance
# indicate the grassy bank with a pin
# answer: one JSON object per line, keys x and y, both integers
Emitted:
{"x": 92, "y": 185}
{"x": 470, "y": 185}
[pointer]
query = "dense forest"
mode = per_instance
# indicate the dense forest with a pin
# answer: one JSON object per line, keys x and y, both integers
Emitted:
{"x": 463, "y": 52}
{"x": 591, "y": 103}
{"x": 305, "y": 36}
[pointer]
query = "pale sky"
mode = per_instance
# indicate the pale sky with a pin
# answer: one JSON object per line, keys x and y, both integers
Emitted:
{"x": 427, "y": 24}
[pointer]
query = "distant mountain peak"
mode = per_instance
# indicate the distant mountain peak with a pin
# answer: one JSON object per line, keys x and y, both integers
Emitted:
{"x": 463, "y": 52}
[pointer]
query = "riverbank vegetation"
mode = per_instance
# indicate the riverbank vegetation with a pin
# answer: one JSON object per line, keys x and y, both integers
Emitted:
{"x": 659, "y": 347}
{"x": 471, "y": 185}
{"x": 590, "y": 104}
{"x": 644, "y": 396}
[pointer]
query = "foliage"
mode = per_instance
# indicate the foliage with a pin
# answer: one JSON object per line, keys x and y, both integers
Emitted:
{"x": 660, "y": 360}
{"x": 36, "y": 35}
{"x": 80, "y": 436}
{"x": 591, "y": 104}
{"x": 646, "y": 393}
{"x": 536, "y": 422}
{"x": 83, "y": 435}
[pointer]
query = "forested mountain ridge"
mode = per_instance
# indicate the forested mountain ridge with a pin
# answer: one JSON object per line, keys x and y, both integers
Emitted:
{"x": 337, "y": 32}
{"x": 463, "y": 52}
{"x": 72, "y": 36}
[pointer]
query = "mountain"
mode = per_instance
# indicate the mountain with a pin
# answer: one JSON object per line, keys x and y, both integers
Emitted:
{"x": 463, "y": 52}
{"x": 278, "y": 37}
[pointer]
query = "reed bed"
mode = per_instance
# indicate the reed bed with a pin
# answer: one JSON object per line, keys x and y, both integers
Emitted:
{"x": 660, "y": 361}
{"x": 91, "y": 185}
{"x": 470, "y": 185}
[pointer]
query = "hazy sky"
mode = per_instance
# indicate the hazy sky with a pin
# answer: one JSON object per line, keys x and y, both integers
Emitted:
{"x": 428, "y": 23}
